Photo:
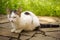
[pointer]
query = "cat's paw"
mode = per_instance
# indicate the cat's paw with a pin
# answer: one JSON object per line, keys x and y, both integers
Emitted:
{"x": 17, "y": 31}
{"x": 12, "y": 30}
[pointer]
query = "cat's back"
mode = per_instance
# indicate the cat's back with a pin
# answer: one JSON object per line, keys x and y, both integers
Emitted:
{"x": 26, "y": 15}
{"x": 26, "y": 18}
{"x": 29, "y": 17}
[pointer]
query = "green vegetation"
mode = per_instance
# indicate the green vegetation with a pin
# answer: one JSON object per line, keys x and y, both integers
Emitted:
{"x": 39, "y": 7}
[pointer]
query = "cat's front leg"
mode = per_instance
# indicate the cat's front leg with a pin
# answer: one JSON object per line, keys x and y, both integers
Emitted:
{"x": 13, "y": 27}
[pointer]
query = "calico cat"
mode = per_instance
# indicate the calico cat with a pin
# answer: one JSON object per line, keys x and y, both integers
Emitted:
{"x": 26, "y": 20}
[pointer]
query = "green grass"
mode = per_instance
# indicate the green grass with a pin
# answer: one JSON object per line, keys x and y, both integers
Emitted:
{"x": 39, "y": 7}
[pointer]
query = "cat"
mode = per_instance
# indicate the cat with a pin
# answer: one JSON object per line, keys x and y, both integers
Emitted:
{"x": 19, "y": 20}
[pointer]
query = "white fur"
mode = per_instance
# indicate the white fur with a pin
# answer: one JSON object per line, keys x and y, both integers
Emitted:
{"x": 24, "y": 22}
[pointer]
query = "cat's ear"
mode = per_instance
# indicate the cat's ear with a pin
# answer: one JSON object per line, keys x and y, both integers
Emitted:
{"x": 8, "y": 10}
{"x": 19, "y": 10}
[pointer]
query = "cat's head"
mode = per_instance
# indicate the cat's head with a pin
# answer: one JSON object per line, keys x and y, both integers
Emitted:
{"x": 13, "y": 15}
